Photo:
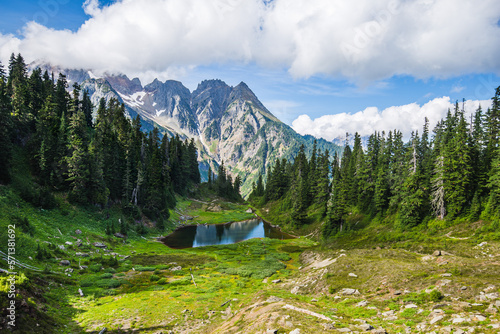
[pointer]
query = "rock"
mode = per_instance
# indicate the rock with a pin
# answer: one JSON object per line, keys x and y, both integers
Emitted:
{"x": 479, "y": 317}
{"x": 491, "y": 296}
{"x": 176, "y": 268}
{"x": 344, "y": 330}
{"x": 411, "y": 306}
{"x": 264, "y": 280}
{"x": 119, "y": 235}
{"x": 314, "y": 300}
{"x": 29, "y": 257}
{"x": 484, "y": 243}
{"x": 295, "y": 290}
{"x": 329, "y": 326}
{"x": 365, "y": 327}
{"x": 83, "y": 267}
{"x": 99, "y": 245}
{"x": 497, "y": 303}
{"x": 446, "y": 275}
{"x": 69, "y": 243}
{"x": 491, "y": 309}
{"x": 379, "y": 331}
{"x": 444, "y": 282}
{"x": 352, "y": 275}
{"x": 272, "y": 331}
{"x": 80, "y": 292}
{"x": 273, "y": 299}
{"x": 397, "y": 292}
{"x": 459, "y": 331}
{"x": 81, "y": 254}
{"x": 249, "y": 210}
{"x": 61, "y": 247}
{"x": 296, "y": 331}
{"x": 276, "y": 281}
{"x": 64, "y": 263}
{"x": 349, "y": 292}
{"x": 458, "y": 320}
{"x": 362, "y": 303}
{"x": 427, "y": 258}
{"x": 436, "y": 253}
{"x": 495, "y": 326}
{"x": 78, "y": 231}
{"x": 78, "y": 244}
{"x": 436, "y": 319}
{"x": 463, "y": 288}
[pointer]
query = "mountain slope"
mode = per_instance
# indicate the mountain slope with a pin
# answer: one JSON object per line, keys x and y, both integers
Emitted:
{"x": 229, "y": 124}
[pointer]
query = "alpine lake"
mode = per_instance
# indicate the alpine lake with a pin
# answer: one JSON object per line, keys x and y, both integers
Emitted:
{"x": 222, "y": 234}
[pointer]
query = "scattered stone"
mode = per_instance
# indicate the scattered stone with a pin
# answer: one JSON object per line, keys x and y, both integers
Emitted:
{"x": 458, "y": 320}
{"x": 379, "y": 331}
{"x": 176, "y": 268}
{"x": 479, "y": 317}
{"x": 329, "y": 326}
{"x": 492, "y": 296}
{"x": 397, "y": 292}
{"x": 411, "y": 306}
{"x": 491, "y": 309}
{"x": 444, "y": 282}
{"x": 365, "y": 327}
{"x": 272, "y": 331}
{"x": 296, "y": 331}
{"x": 362, "y": 303}
{"x": 276, "y": 281}
{"x": 81, "y": 254}
{"x": 273, "y": 299}
{"x": 446, "y": 275}
{"x": 78, "y": 244}
{"x": 99, "y": 245}
{"x": 83, "y": 267}
{"x": 436, "y": 319}
{"x": 352, "y": 275}
{"x": 436, "y": 253}
{"x": 64, "y": 263}
{"x": 463, "y": 288}
{"x": 119, "y": 235}
{"x": 61, "y": 247}
{"x": 69, "y": 243}
{"x": 344, "y": 330}
{"x": 484, "y": 243}
{"x": 349, "y": 292}
{"x": 80, "y": 292}
{"x": 314, "y": 300}
{"x": 78, "y": 231}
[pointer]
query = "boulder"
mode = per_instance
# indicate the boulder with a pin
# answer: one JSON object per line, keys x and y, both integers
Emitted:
{"x": 176, "y": 268}
{"x": 349, "y": 292}
{"x": 365, "y": 327}
{"x": 437, "y": 253}
{"x": 82, "y": 254}
{"x": 276, "y": 281}
{"x": 119, "y": 235}
{"x": 64, "y": 263}
{"x": 99, "y": 245}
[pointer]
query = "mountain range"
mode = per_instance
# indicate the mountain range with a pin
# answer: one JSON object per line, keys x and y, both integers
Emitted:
{"x": 229, "y": 124}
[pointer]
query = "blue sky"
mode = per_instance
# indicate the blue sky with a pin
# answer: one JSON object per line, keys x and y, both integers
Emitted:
{"x": 362, "y": 60}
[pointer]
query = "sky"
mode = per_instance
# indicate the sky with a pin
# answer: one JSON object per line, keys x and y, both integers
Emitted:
{"x": 325, "y": 67}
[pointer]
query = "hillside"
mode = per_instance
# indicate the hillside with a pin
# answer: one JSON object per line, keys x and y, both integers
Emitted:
{"x": 228, "y": 124}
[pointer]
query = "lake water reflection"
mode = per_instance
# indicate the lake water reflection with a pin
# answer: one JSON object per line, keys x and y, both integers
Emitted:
{"x": 221, "y": 234}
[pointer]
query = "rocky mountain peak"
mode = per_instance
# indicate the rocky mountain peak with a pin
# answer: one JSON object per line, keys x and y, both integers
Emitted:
{"x": 121, "y": 83}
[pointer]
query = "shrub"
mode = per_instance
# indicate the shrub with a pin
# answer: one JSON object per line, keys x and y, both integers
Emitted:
{"x": 95, "y": 268}
{"x": 435, "y": 295}
{"x": 162, "y": 281}
{"x": 154, "y": 278}
{"x": 108, "y": 283}
{"x": 106, "y": 275}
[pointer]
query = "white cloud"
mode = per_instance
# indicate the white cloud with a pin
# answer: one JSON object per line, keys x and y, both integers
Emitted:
{"x": 360, "y": 40}
{"x": 406, "y": 118}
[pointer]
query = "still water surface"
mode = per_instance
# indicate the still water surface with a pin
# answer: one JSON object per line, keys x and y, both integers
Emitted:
{"x": 222, "y": 234}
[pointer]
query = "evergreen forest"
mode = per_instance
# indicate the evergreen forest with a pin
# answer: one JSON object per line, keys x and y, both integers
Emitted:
{"x": 451, "y": 173}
